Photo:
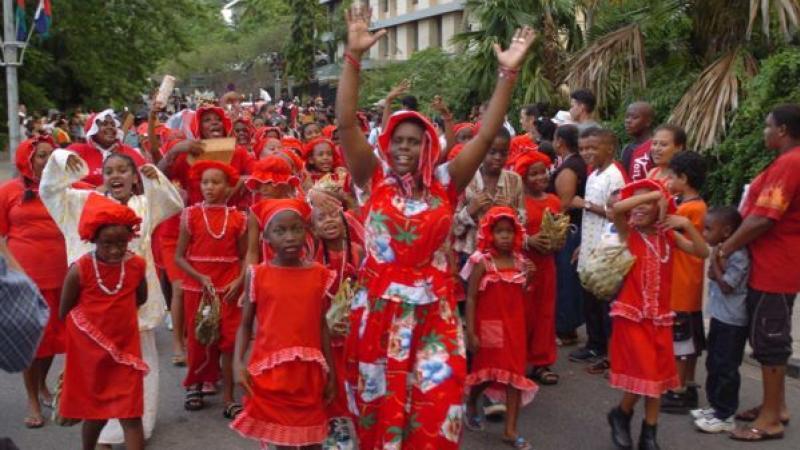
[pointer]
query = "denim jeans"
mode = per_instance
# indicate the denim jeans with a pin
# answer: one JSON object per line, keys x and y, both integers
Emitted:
{"x": 569, "y": 300}
{"x": 725, "y": 352}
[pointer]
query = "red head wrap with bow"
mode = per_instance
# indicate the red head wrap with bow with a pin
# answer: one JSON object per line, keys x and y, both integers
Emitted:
{"x": 99, "y": 211}
{"x": 485, "y": 234}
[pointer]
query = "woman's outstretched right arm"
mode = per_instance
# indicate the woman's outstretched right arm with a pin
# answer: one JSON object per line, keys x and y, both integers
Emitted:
{"x": 357, "y": 151}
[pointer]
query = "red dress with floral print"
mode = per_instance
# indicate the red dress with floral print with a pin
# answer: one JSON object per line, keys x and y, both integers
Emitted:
{"x": 287, "y": 367}
{"x": 217, "y": 256}
{"x": 540, "y": 309}
{"x": 501, "y": 329}
{"x": 641, "y": 353}
{"x": 405, "y": 351}
{"x": 104, "y": 370}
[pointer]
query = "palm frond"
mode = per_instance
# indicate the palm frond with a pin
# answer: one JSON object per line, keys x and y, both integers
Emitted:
{"x": 621, "y": 50}
{"x": 788, "y": 12}
{"x": 704, "y": 108}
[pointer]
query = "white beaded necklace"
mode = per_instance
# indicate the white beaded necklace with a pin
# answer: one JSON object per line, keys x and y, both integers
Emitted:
{"x": 656, "y": 249}
{"x": 99, "y": 279}
{"x": 208, "y": 227}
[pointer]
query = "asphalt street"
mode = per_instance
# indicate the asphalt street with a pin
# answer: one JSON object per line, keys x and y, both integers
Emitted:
{"x": 570, "y": 415}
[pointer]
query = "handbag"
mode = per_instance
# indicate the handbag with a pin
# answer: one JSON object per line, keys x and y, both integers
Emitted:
{"x": 207, "y": 318}
{"x": 605, "y": 270}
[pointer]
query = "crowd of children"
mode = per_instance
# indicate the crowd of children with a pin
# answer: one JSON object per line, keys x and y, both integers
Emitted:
{"x": 328, "y": 277}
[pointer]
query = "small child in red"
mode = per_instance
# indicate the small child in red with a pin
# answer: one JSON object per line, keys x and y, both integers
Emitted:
{"x": 104, "y": 371}
{"x": 540, "y": 308}
{"x": 211, "y": 250}
{"x": 337, "y": 251}
{"x": 640, "y": 351}
{"x": 498, "y": 275}
{"x": 288, "y": 378}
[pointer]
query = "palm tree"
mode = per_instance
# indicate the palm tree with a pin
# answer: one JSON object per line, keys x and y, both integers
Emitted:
{"x": 723, "y": 43}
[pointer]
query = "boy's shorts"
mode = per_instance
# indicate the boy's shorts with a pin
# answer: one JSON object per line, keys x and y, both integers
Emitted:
{"x": 689, "y": 338}
{"x": 770, "y": 324}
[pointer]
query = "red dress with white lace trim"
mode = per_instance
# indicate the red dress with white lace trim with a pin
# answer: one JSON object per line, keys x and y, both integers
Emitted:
{"x": 104, "y": 371}
{"x": 287, "y": 368}
{"x": 540, "y": 309}
{"x": 213, "y": 250}
{"x": 501, "y": 329}
{"x": 641, "y": 354}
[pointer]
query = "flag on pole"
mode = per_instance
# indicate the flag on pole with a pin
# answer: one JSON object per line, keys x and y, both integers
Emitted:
{"x": 22, "y": 26}
{"x": 265, "y": 95}
{"x": 43, "y": 18}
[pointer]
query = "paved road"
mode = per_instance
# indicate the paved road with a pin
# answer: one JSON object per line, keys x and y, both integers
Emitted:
{"x": 568, "y": 416}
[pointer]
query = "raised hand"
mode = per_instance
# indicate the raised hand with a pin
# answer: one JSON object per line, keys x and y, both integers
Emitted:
{"x": 514, "y": 55}
{"x": 399, "y": 90}
{"x": 440, "y": 106}
{"x": 359, "y": 38}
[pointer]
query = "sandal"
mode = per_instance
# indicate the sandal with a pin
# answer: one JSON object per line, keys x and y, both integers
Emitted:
{"x": 32, "y": 422}
{"x": 474, "y": 422}
{"x": 209, "y": 389}
{"x": 232, "y": 410}
{"x": 519, "y": 443}
{"x": 599, "y": 367}
{"x": 544, "y": 376}
{"x": 179, "y": 360}
{"x": 754, "y": 435}
{"x": 194, "y": 401}
{"x": 45, "y": 402}
{"x": 751, "y": 415}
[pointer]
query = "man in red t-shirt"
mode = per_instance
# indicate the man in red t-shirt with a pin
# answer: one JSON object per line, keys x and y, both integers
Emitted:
{"x": 103, "y": 137}
{"x": 639, "y": 126}
{"x": 771, "y": 231}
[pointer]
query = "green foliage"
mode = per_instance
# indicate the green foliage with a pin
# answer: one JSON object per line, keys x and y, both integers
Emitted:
{"x": 98, "y": 55}
{"x": 742, "y": 154}
{"x": 302, "y": 46}
{"x": 431, "y": 72}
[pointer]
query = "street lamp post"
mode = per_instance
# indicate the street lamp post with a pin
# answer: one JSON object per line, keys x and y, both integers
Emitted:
{"x": 275, "y": 60}
{"x": 10, "y": 47}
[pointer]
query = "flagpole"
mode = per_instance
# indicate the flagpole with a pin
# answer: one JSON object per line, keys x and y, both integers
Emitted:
{"x": 10, "y": 45}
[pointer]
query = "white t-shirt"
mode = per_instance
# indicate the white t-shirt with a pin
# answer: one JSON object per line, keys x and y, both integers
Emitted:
{"x": 599, "y": 187}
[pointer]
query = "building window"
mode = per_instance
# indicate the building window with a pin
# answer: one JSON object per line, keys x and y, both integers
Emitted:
{"x": 439, "y": 32}
{"x": 385, "y": 6}
{"x": 414, "y": 30}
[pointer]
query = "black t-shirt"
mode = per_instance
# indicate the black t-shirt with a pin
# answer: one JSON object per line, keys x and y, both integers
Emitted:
{"x": 576, "y": 164}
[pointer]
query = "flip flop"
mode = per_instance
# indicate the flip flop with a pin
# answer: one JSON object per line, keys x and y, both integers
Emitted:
{"x": 544, "y": 376}
{"x": 751, "y": 415}
{"x": 518, "y": 443}
{"x": 209, "y": 389}
{"x": 754, "y": 435}
{"x": 232, "y": 410}
{"x": 46, "y": 403}
{"x": 474, "y": 423}
{"x": 32, "y": 422}
{"x": 179, "y": 360}
{"x": 194, "y": 401}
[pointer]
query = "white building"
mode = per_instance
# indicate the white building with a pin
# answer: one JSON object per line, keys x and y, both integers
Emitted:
{"x": 414, "y": 25}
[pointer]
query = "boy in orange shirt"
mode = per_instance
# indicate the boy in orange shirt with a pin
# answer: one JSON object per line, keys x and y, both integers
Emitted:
{"x": 686, "y": 178}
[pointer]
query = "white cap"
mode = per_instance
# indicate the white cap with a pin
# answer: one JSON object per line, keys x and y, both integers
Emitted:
{"x": 563, "y": 118}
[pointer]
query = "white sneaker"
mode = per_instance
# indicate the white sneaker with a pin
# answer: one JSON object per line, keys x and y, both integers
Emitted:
{"x": 714, "y": 425}
{"x": 702, "y": 412}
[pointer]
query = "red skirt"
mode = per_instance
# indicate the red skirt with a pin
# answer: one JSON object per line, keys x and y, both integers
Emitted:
{"x": 54, "y": 340}
{"x": 642, "y": 358}
{"x": 501, "y": 330}
{"x": 541, "y": 315}
{"x": 338, "y": 407}
{"x": 203, "y": 362}
{"x": 287, "y": 407}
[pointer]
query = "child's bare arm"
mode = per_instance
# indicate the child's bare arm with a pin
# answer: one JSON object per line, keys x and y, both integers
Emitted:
{"x": 620, "y": 209}
{"x": 70, "y": 292}
{"x": 252, "y": 240}
{"x": 243, "y": 336}
{"x": 331, "y": 385}
{"x": 141, "y": 292}
{"x": 472, "y": 297}
{"x": 180, "y": 258}
{"x": 693, "y": 243}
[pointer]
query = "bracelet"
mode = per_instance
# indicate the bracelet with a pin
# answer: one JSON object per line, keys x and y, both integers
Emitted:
{"x": 352, "y": 60}
{"x": 507, "y": 73}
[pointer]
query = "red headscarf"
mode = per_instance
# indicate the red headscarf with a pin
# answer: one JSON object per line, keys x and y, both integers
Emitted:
{"x": 429, "y": 154}
{"x": 328, "y": 131}
{"x": 363, "y": 122}
{"x": 464, "y": 126}
{"x": 293, "y": 143}
{"x": 455, "y": 151}
{"x": 267, "y": 130}
{"x": 198, "y": 168}
{"x": 651, "y": 185}
{"x": 25, "y": 152}
{"x": 274, "y": 207}
{"x": 308, "y": 149}
{"x": 485, "y": 234}
{"x": 273, "y": 169}
{"x": 99, "y": 211}
{"x": 197, "y": 119}
{"x": 251, "y": 130}
{"x": 528, "y": 159}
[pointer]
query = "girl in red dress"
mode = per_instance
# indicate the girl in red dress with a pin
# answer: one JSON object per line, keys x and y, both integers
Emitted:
{"x": 540, "y": 308}
{"x": 640, "y": 352}
{"x": 321, "y": 161}
{"x": 104, "y": 370}
{"x": 30, "y": 234}
{"x": 498, "y": 275}
{"x": 211, "y": 251}
{"x": 288, "y": 379}
{"x": 337, "y": 251}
